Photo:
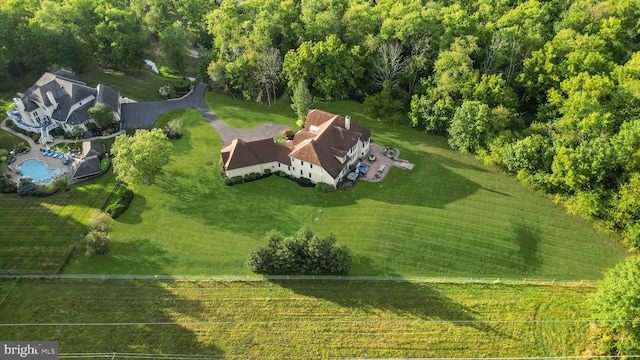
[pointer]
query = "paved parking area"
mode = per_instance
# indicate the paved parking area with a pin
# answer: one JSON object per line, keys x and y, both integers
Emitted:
{"x": 384, "y": 162}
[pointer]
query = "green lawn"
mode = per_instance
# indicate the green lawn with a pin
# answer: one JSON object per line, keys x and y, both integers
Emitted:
{"x": 299, "y": 319}
{"x": 141, "y": 87}
{"x": 8, "y": 140}
{"x": 248, "y": 114}
{"x": 36, "y": 233}
{"x": 450, "y": 216}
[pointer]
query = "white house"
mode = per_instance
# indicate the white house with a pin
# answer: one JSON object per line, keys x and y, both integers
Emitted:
{"x": 322, "y": 152}
{"x": 59, "y": 100}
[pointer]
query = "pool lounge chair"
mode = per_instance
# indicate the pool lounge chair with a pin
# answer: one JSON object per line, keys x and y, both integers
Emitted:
{"x": 61, "y": 155}
{"x": 55, "y": 154}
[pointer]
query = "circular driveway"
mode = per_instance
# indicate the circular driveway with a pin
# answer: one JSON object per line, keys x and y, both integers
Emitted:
{"x": 143, "y": 115}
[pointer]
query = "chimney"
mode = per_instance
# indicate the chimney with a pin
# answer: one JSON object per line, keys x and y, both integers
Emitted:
{"x": 347, "y": 122}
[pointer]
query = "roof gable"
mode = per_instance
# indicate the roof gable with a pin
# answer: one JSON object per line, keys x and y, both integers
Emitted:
{"x": 240, "y": 154}
{"x": 325, "y": 138}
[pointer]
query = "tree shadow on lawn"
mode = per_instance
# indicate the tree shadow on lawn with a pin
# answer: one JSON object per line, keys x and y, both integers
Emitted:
{"x": 139, "y": 317}
{"x": 527, "y": 256}
{"x": 137, "y": 256}
{"x": 133, "y": 214}
{"x": 418, "y": 300}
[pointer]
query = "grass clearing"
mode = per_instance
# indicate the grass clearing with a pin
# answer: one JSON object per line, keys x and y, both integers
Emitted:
{"x": 36, "y": 233}
{"x": 249, "y": 114}
{"x": 297, "y": 319}
{"x": 449, "y": 216}
{"x": 140, "y": 87}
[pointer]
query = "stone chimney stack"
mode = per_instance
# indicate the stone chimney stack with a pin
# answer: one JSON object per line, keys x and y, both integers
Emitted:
{"x": 347, "y": 122}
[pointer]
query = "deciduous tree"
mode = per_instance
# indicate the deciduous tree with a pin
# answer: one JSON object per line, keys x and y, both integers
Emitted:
{"x": 138, "y": 159}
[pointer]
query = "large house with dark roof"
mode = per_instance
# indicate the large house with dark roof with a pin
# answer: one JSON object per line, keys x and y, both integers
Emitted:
{"x": 322, "y": 152}
{"x": 60, "y": 99}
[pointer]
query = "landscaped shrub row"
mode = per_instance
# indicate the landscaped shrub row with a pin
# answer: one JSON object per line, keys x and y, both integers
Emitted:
{"x": 248, "y": 177}
{"x": 325, "y": 188}
{"x": 121, "y": 201}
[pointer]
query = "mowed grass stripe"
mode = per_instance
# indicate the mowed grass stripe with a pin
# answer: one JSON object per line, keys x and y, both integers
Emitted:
{"x": 317, "y": 319}
{"x": 35, "y": 233}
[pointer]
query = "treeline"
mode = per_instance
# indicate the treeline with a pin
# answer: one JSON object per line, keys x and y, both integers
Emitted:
{"x": 547, "y": 90}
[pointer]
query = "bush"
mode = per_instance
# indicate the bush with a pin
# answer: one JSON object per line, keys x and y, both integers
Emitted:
{"x": 45, "y": 190}
{"x": 183, "y": 86}
{"x": 100, "y": 221}
{"x": 104, "y": 165}
{"x": 267, "y": 172}
{"x": 325, "y": 188}
{"x": 61, "y": 181}
{"x": 97, "y": 243}
{"x": 302, "y": 253}
{"x": 36, "y": 136}
{"x": 7, "y": 186}
{"x": 26, "y": 186}
{"x": 173, "y": 129}
{"x": 120, "y": 204}
{"x": 282, "y": 174}
{"x": 4, "y": 152}
{"x": 57, "y": 132}
{"x": 304, "y": 181}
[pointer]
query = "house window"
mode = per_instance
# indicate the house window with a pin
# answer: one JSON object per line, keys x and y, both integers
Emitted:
{"x": 278, "y": 164}
{"x": 301, "y": 162}
{"x": 289, "y": 168}
{"x": 311, "y": 166}
{"x": 309, "y": 175}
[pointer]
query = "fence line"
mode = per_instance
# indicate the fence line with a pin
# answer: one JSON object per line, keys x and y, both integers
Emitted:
{"x": 446, "y": 279}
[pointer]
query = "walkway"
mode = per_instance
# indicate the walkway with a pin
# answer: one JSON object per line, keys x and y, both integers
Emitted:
{"x": 143, "y": 115}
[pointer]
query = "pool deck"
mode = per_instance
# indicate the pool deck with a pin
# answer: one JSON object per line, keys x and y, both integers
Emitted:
{"x": 37, "y": 155}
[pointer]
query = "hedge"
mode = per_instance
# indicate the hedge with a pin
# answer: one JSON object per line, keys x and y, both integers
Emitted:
{"x": 120, "y": 203}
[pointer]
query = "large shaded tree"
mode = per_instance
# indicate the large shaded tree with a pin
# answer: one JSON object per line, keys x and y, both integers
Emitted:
{"x": 470, "y": 127}
{"x": 138, "y": 159}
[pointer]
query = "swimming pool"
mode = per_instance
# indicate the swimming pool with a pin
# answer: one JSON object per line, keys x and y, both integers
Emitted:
{"x": 37, "y": 170}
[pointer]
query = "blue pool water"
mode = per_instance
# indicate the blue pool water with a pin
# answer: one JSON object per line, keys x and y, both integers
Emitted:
{"x": 37, "y": 170}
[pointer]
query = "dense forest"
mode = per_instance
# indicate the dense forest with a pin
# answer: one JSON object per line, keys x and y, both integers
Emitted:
{"x": 547, "y": 90}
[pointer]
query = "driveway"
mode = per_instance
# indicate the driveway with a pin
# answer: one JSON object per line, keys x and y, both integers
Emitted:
{"x": 143, "y": 115}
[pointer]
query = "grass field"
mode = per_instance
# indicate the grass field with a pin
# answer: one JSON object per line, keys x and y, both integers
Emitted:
{"x": 248, "y": 114}
{"x": 298, "y": 319}
{"x": 450, "y": 216}
{"x": 36, "y": 233}
{"x": 141, "y": 87}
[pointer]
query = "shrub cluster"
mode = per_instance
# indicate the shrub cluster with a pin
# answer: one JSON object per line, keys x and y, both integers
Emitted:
{"x": 182, "y": 87}
{"x": 120, "y": 203}
{"x": 7, "y": 186}
{"x": 26, "y": 186}
{"x": 97, "y": 238}
{"x": 248, "y": 177}
{"x": 173, "y": 129}
{"x": 302, "y": 253}
{"x": 325, "y": 188}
